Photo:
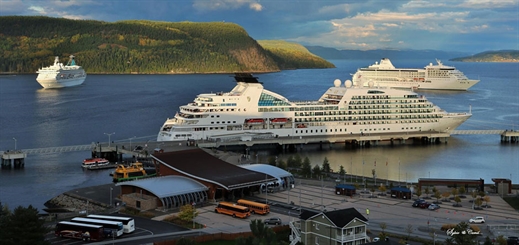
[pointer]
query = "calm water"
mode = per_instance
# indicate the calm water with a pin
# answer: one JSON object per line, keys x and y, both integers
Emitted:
{"x": 137, "y": 105}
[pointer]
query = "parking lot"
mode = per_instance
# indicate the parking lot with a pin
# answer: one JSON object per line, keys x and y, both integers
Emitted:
{"x": 396, "y": 213}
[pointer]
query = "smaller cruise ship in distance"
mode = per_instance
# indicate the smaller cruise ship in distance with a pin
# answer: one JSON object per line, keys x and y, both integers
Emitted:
{"x": 343, "y": 109}
{"x": 60, "y": 76}
{"x": 432, "y": 76}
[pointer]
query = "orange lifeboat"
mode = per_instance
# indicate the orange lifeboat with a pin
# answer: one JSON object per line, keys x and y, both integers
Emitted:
{"x": 279, "y": 120}
{"x": 254, "y": 121}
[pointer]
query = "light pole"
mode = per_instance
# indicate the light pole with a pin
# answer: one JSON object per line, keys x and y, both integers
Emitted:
{"x": 193, "y": 205}
{"x": 14, "y": 143}
{"x": 131, "y": 142}
{"x": 111, "y": 189}
{"x": 109, "y": 137}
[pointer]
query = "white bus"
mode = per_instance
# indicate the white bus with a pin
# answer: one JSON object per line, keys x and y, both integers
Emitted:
{"x": 110, "y": 227}
{"x": 128, "y": 223}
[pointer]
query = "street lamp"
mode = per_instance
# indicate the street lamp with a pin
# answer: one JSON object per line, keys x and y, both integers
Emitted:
{"x": 111, "y": 189}
{"x": 14, "y": 143}
{"x": 109, "y": 136}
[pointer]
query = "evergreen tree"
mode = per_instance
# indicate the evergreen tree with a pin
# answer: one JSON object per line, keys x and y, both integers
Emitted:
{"x": 306, "y": 168}
{"x": 326, "y": 166}
{"x": 22, "y": 227}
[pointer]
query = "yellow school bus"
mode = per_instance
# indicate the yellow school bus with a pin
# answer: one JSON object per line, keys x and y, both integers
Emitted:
{"x": 232, "y": 209}
{"x": 255, "y": 207}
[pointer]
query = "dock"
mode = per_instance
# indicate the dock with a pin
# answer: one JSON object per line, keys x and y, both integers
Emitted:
{"x": 14, "y": 159}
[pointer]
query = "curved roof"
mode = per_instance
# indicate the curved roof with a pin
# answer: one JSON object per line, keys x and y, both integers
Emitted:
{"x": 202, "y": 166}
{"x": 267, "y": 169}
{"x": 166, "y": 186}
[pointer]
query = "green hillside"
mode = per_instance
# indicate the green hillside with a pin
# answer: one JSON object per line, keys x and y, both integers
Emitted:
{"x": 148, "y": 47}
{"x": 492, "y": 56}
{"x": 293, "y": 55}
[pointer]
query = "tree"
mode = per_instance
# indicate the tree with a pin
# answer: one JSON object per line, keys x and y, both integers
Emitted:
{"x": 457, "y": 199}
{"x": 261, "y": 234}
{"x": 187, "y": 213}
{"x": 271, "y": 160}
{"x": 409, "y": 230}
{"x": 22, "y": 227}
{"x": 501, "y": 240}
{"x": 486, "y": 199}
{"x": 306, "y": 168}
{"x": 382, "y": 189}
{"x": 462, "y": 191}
{"x": 454, "y": 192}
{"x": 427, "y": 191}
{"x": 297, "y": 161}
{"x": 437, "y": 195}
{"x": 282, "y": 164}
{"x": 316, "y": 171}
{"x": 291, "y": 162}
{"x": 326, "y": 166}
{"x": 446, "y": 196}
{"x": 434, "y": 189}
{"x": 342, "y": 171}
{"x": 383, "y": 235}
{"x": 418, "y": 193}
{"x": 478, "y": 202}
{"x": 461, "y": 236}
{"x": 488, "y": 241}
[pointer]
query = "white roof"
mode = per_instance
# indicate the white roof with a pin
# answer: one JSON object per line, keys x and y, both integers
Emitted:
{"x": 267, "y": 169}
{"x": 167, "y": 186}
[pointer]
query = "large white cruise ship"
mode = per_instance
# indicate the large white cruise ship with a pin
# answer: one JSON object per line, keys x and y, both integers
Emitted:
{"x": 432, "y": 76}
{"x": 343, "y": 109}
{"x": 60, "y": 76}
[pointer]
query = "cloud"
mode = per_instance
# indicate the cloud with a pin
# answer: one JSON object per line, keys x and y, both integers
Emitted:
{"x": 214, "y": 5}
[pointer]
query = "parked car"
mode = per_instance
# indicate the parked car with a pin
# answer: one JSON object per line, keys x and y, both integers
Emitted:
{"x": 424, "y": 205}
{"x": 272, "y": 221}
{"x": 477, "y": 220}
{"x": 433, "y": 206}
{"x": 417, "y": 202}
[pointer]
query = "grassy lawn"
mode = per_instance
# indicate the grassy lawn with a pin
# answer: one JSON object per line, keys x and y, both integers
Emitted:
{"x": 513, "y": 201}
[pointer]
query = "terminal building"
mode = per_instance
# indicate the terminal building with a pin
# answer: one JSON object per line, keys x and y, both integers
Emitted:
{"x": 195, "y": 176}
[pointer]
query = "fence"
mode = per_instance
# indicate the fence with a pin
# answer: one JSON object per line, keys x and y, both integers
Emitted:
{"x": 220, "y": 236}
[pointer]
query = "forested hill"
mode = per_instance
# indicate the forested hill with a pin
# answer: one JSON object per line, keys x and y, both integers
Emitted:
{"x": 492, "y": 56}
{"x": 148, "y": 47}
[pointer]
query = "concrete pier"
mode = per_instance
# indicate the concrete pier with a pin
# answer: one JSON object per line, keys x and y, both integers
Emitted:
{"x": 14, "y": 159}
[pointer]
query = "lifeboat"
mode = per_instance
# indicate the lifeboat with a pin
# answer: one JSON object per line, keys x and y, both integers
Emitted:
{"x": 279, "y": 120}
{"x": 89, "y": 162}
{"x": 254, "y": 121}
{"x": 132, "y": 172}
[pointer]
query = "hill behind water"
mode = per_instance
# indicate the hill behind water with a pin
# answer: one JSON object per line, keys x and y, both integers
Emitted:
{"x": 140, "y": 46}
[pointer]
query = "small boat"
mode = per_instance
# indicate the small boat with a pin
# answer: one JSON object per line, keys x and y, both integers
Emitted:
{"x": 132, "y": 172}
{"x": 91, "y": 162}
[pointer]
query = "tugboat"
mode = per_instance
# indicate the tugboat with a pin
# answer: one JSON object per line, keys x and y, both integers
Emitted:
{"x": 132, "y": 172}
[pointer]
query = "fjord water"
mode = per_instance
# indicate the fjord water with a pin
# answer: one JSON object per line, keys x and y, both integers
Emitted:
{"x": 137, "y": 105}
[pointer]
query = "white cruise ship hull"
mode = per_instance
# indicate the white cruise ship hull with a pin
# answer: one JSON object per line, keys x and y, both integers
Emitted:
{"x": 250, "y": 109}
{"x": 62, "y": 83}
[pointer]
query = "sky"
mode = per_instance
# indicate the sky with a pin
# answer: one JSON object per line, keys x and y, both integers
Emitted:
{"x": 451, "y": 25}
